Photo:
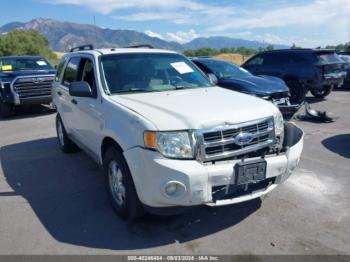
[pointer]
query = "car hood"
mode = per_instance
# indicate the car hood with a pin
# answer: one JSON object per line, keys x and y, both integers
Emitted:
{"x": 13, "y": 74}
{"x": 257, "y": 85}
{"x": 196, "y": 108}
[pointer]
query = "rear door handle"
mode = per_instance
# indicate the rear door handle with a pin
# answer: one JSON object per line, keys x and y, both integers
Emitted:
{"x": 75, "y": 102}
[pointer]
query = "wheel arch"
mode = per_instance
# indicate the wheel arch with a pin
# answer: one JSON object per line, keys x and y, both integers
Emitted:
{"x": 290, "y": 77}
{"x": 106, "y": 143}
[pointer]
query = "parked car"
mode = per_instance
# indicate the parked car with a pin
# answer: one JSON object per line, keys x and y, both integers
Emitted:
{"x": 314, "y": 70}
{"x": 236, "y": 78}
{"x": 167, "y": 138}
{"x": 24, "y": 80}
{"x": 346, "y": 58}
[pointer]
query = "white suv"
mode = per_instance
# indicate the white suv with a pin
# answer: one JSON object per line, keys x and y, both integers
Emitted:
{"x": 166, "y": 137}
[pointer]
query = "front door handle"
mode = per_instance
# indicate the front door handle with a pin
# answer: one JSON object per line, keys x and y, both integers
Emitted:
{"x": 75, "y": 102}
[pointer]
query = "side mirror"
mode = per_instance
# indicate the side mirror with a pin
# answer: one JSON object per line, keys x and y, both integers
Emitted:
{"x": 213, "y": 79}
{"x": 80, "y": 89}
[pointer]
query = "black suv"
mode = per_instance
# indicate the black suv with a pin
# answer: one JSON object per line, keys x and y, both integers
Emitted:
{"x": 24, "y": 80}
{"x": 314, "y": 70}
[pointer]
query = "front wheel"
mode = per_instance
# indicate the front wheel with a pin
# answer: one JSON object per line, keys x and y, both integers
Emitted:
{"x": 322, "y": 93}
{"x": 297, "y": 90}
{"x": 120, "y": 186}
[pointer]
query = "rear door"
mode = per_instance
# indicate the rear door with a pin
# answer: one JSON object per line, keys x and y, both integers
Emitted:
{"x": 64, "y": 104}
{"x": 276, "y": 64}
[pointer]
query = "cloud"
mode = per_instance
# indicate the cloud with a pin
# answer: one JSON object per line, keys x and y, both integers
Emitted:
{"x": 154, "y": 16}
{"x": 182, "y": 37}
{"x": 316, "y": 13}
{"x": 153, "y": 34}
{"x": 108, "y": 6}
{"x": 273, "y": 39}
{"x": 283, "y": 21}
{"x": 179, "y": 36}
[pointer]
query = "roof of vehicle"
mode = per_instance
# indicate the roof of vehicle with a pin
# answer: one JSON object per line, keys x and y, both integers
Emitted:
{"x": 110, "y": 51}
{"x": 293, "y": 50}
{"x": 21, "y": 56}
{"x": 199, "y": 58}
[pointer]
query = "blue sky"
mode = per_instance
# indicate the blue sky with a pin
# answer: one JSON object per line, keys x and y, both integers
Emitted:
{"x": 308, "y": 23}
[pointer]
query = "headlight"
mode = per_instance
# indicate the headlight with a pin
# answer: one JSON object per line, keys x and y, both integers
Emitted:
{"x": 170, "y": 144}
{"x": 279, "y": 126}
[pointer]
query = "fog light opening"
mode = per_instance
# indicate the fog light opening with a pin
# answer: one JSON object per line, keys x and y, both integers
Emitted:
{"x": 174, "y": 189}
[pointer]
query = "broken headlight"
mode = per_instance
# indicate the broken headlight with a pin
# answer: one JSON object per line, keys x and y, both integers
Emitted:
{"x": 279, "y": 128}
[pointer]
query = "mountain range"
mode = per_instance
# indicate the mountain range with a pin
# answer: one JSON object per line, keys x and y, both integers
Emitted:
{"x": 62, "y": 36}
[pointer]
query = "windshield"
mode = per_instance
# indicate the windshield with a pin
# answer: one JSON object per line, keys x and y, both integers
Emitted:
{"x": 24, "y": 63}
{"x": 156, "y": 72}
{"x": 224, "y": 69}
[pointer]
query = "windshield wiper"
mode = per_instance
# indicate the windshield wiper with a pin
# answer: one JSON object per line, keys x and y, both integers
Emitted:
{"x": 139, "y": 90}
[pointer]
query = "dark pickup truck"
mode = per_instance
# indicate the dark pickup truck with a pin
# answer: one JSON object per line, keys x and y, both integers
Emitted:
{"x": 24, "y": 80}
{"x": 314, "y": 70}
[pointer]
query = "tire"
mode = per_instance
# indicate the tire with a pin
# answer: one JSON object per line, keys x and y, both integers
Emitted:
{"x": 66, "y": 145}
{"x": 120, "y": 186}
{"x": 297, "y": 90}
{"x": 325, "y": 91}
{"x": 6, "y": 109}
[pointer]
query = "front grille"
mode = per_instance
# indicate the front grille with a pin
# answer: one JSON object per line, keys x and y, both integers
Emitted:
{"x": 28, "y": 87}
{"x": 225, "y": 142}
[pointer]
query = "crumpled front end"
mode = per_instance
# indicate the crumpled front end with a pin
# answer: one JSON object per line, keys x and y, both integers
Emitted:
{"x": 193, "y": 182}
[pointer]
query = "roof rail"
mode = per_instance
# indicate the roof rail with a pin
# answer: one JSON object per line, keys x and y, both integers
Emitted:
{"x": 82, "y": 48}
{"x": 140, "y": 46}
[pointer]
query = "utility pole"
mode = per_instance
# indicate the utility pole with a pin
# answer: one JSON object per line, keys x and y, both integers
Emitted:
{"x": 95, "y": 30}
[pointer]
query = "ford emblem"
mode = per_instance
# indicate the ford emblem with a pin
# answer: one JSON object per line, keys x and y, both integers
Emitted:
{"x": 243, "y": 138}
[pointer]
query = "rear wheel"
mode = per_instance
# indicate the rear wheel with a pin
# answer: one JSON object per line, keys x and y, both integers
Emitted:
{"x": 66, "y": 145}
{"x": 120, "y": 185}
{"x": 6, "y": 109}
{"x": 297, "y": 90}
{"x": 322, "y": 93}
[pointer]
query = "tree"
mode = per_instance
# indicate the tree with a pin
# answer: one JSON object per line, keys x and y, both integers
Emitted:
{"x": 21, "y": 42}
{"x": 269, "y": 48}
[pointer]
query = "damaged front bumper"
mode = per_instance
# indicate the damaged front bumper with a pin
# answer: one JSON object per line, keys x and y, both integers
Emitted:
{"x": 288, "y": 111}
{"x": 198, "y": 182}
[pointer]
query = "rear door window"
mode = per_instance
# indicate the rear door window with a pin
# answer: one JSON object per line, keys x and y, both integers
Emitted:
{"x": 276, "y": 59}
{"x": 60, "y": 68}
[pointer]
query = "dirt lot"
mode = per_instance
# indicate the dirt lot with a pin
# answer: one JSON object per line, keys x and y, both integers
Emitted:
{"x": 51, "y": 203}
{"x": 233, "y": 58}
